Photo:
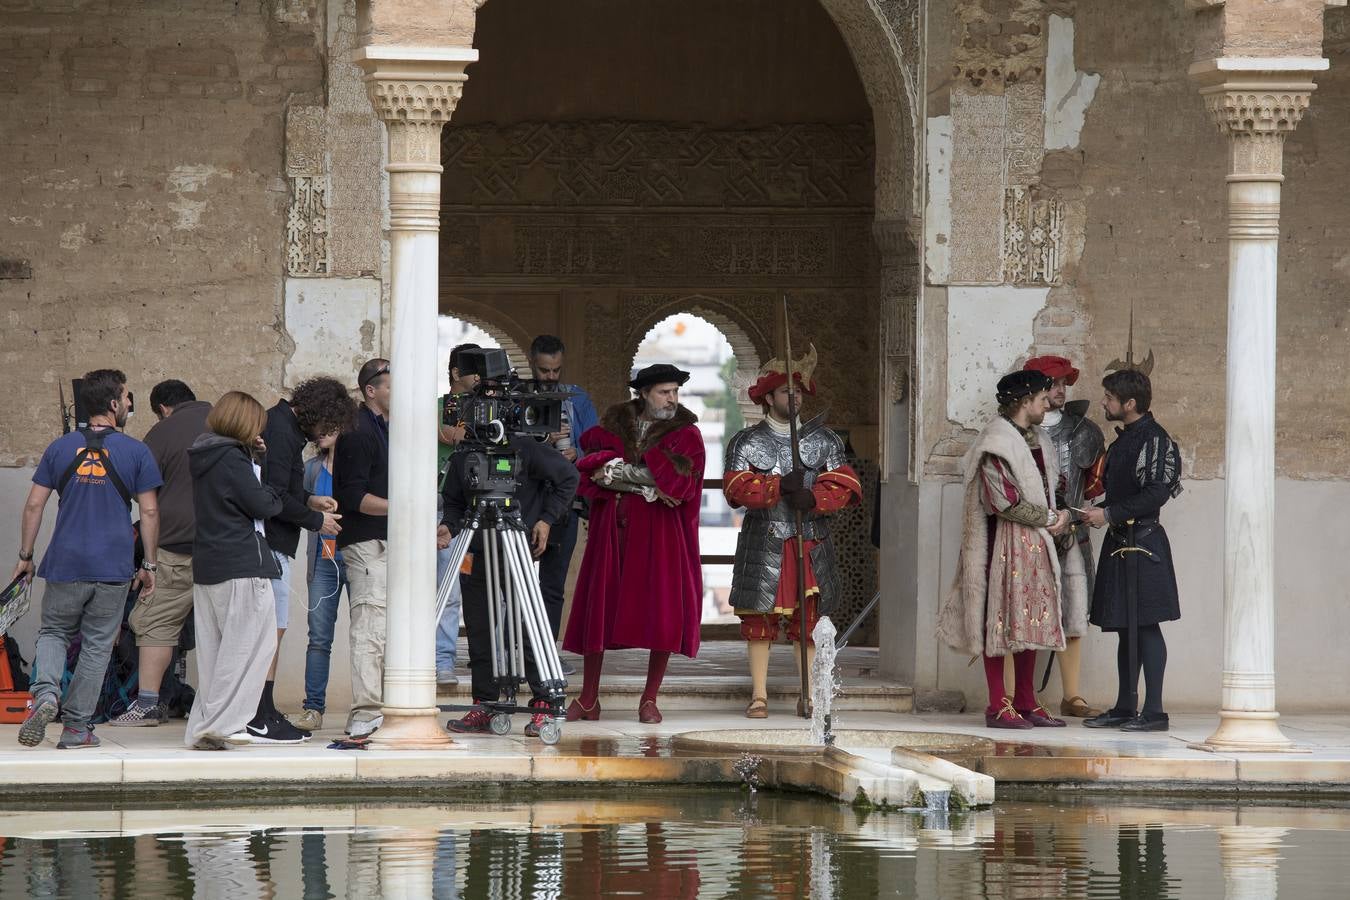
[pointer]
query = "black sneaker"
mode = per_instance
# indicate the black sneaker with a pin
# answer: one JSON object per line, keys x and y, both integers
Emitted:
{"x": 275, "y": 716}
{"x": 266, "y": 730}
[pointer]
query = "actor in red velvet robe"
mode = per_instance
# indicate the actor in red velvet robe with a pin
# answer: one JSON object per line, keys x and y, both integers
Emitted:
{"x": 641, "y": 583}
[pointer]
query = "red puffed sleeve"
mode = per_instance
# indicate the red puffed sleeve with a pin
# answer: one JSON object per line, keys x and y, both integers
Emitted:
{"x": 752, "y": 490}
{"x": 837, "y": 489}
{"x": 676, "y": 464}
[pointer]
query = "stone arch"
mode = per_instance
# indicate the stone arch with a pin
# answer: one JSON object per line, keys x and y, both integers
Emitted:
{"x": 750, "y": 342}
{"x": 512, "y": 336}
{"x": 884, "y": 39}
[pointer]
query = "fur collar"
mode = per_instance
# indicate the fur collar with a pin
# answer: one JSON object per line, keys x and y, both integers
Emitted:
{"x": 622, "y": 420}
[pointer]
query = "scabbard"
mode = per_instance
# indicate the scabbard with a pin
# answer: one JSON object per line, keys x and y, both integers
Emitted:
{"x": 1132, "y": 614}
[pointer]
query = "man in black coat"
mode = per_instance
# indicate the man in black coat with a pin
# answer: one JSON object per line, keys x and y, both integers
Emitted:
{"x": 1136, "y": 586}
{"x": 318, "y": 406}
{"x": 545, "y": 484}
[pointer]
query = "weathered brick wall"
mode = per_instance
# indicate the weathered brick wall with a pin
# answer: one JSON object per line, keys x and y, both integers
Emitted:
{"x": 143, "y": 203}
{"x": 1153, "y": 178}
{"x": 1143, "y": 221}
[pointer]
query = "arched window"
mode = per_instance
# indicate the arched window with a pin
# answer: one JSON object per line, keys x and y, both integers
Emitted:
{"x": 714, "y": 394}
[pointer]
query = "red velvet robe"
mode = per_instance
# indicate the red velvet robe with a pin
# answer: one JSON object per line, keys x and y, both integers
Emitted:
{"x": 641, "y": 582}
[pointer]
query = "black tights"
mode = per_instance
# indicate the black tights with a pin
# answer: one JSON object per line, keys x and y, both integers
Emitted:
{"x": 1153, "y": 659}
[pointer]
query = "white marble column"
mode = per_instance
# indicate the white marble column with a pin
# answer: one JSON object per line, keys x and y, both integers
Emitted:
{"x": 414, "y": 90}
{"x": 1250, "y": 858}
{"x": 1255, "y": 108}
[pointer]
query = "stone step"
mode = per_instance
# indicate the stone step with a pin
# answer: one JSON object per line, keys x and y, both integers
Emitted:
{"x": 623, "y": 692}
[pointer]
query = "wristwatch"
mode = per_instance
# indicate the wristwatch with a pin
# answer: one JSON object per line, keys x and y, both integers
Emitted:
{"x": 149, "y": 567}
{"x": 26, "y": 557}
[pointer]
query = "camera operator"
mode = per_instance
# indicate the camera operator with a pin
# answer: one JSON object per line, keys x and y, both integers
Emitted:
{"x": 448, "y": 437}
{"x": 90, "y": 562}
{"x": 578, "y": 416}
{"x": 545, "y": 485}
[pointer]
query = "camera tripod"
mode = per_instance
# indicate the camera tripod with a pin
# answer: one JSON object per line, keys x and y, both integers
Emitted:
{"x": 516, "y": 613}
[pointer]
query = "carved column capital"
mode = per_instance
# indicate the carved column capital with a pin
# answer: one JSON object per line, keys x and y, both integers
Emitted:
{"x": 414, "y": 91}
{"x": 1256, "y": 102}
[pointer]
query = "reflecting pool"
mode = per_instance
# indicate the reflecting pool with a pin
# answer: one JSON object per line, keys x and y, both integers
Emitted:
{"x": 655, "y": 843}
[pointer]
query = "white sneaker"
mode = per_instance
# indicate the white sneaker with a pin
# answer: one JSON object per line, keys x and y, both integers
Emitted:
{"x": 366, "y": 729}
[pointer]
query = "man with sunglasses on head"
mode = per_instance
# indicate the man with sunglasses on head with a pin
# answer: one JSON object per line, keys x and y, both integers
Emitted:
{"x": 361, "y": 487}
{"x": 90, "y": 562}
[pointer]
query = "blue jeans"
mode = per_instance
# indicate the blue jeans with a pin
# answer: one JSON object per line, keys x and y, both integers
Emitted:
{"x": 447, "y": 630}
{"x": 325, "y": 589}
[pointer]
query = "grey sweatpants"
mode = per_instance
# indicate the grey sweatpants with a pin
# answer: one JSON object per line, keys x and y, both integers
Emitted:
{"x": 236, "y": 624}
{"x": 93, "y": 610}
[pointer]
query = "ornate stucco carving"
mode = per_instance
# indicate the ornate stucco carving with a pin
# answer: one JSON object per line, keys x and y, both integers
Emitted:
{"x": 1033, "y": 237}
{"x": 658, "y": 164}
{"x": 307, "y": 226}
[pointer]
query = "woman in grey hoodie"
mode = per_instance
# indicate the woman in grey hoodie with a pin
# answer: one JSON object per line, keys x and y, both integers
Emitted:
{"x": 232, "y": 570}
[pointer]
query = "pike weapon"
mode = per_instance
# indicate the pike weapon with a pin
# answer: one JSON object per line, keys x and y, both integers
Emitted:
{"x": 803, "y": 704}
{"x": 1121, "y": 365}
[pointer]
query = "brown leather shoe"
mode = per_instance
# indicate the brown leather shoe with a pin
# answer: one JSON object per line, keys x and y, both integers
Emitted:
{"x": 1077, "y": 708}
{"x": 758, "y": 709}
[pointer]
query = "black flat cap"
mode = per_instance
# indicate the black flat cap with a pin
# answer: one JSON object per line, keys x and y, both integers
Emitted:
{"x": 661, "y": 373}
{"x": 1021, "y": 384}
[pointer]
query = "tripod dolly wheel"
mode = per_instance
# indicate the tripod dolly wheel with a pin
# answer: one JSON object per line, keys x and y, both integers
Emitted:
{"x": 500, "y": 724}
{"x": 550, "y": 731}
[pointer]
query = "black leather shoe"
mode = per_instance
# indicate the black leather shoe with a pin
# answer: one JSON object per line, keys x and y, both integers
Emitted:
{"x": 1112, "y": 718}
{"x": 1149, "y": 722}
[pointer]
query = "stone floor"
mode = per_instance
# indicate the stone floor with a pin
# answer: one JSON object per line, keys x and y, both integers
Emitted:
{"x": 619, "y": 749}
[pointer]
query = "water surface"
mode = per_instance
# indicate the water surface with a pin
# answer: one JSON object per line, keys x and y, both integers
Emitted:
{"x": 655, "y": 843}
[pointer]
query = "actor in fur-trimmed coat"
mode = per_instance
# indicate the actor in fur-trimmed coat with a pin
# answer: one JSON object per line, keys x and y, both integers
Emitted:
{"x": 1006, "y": 599}
{"x": 641, "y": 582}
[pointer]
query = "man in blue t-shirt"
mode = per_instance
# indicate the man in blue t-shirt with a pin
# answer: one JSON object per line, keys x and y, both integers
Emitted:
{"x": 90, "y": 561}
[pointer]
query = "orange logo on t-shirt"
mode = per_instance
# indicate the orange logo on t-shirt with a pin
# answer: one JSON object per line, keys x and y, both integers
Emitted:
{"x": 93, "y": 467}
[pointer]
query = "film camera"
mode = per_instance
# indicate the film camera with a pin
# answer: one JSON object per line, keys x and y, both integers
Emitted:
{"x": 502, "y": 405}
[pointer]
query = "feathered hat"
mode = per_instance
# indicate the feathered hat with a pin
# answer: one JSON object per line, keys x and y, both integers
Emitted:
{"x": 773, "y": 375}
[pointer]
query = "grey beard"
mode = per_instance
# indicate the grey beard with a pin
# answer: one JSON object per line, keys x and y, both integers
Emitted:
{"x": 661, "y": 415}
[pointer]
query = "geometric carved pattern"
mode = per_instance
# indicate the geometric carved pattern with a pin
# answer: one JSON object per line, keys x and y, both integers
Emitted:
{"x": 1033, "y": 235}
{"x": 851, "y": 529}
{"x": 684, "y": 246}
{"x": 307, "y": 226}
{"x": 636, "y": 165}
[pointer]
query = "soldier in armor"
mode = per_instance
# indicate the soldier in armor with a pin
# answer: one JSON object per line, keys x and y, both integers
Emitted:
{"x": 760, "y": 477}
{"x": 1078, "y": 444}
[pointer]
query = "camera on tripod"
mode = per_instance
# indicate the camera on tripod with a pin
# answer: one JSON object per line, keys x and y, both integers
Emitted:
{"x": 503, "y": 408}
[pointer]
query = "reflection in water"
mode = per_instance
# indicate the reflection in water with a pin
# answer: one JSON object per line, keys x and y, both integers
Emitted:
{"x": 672, "y": 845}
